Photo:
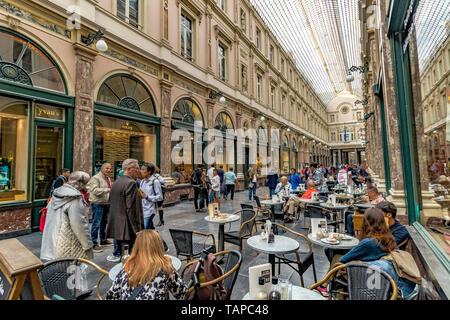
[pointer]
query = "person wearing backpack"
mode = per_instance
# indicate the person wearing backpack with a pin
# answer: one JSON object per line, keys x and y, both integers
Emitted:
{"x": 160, "y": 203}
{"x": 151, "y": 192}
{"x": 196, "y": 176}
{"x": 64, "y": 174}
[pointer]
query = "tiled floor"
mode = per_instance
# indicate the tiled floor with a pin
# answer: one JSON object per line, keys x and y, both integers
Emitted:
{"x": 183, "y": 216}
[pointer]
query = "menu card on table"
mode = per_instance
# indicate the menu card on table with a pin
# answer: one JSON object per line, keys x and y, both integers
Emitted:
{"x": 317, "y": 223}
{"x": 262, "y": 270}
{"x": 213, "y": 209}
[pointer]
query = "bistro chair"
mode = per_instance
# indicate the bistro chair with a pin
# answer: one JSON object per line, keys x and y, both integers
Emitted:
{"x": 245, "y": 231}
{"x": 402, "y": 245}
{"x": 300, "y": 261}
{"x": 57, "y": 274}
{"x": 185, "y": 245}
{"x": 230, "y": 272}
{"x": 359, "y": 282}
{"x": 313, "y": 211}
{"x": 264, "y": 211}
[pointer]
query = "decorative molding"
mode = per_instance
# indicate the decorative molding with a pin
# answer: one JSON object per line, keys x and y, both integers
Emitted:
{"x": 134, "y": 63}
{"x": 21, "y": 13}
{"x": 184, "y": 85}
{"x": 192, "y": 6}
{"x": 220, "y": 33}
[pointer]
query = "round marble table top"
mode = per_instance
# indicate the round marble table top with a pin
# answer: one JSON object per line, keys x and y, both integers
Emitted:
{"x": 298, "y": 293}
{"x": 176, "y": 263}
{"x": 271, "y": 203}
{"x": 343, "y": 244}
{"x": 280, "y": 245}
{"x": 230, "y": 218}
{"x": 364, "y": 205}
{"x": 338, "y": 206}
{"x": 309, "y": 201}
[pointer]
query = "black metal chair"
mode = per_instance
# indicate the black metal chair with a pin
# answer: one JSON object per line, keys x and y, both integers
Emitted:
{"x": 246, "y": 229}
{"x": 364, "y": 282}
{"x": 61, "y": 278}
{"x": 185, "y": 245}
{"x": 300, "y": 261}
{"x": 277, "y": 216}
{"x": 231, "y": 271}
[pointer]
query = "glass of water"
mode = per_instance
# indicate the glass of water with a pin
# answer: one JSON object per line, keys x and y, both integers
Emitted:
{"x": 285, "y": 287}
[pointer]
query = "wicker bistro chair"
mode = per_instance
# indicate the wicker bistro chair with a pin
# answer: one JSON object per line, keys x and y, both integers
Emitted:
{"x": 300, "y": 261}
{"x": 185, "y": 245}
{"x": 245, "y": 231}
{"x": 278, "y": 215}
{"x": 231, "y": 271}
{"x": 364, "y": 282}
{"x": 57, "y": 275}
{"x": 313, "y": 211}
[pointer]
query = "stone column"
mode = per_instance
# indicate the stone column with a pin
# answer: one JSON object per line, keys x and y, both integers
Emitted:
{"x": 240, "y": 167}
{"x": 84, "y": 109}
{"x": 166, "y": 129}
{"x": 430, "y": 208}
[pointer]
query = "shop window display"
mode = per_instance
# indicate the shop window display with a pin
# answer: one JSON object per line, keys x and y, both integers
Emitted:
{"x": 119, "y": 139}
{"x": 13, "y": 150}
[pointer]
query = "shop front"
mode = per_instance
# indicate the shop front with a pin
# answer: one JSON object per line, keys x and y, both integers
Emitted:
{"x": 126, "y": 125}
{"x": 285, "y": 161}
{"x": 294, "y": 156}
{"x": 36, "y": 130}
{"x": 225, "y": 144}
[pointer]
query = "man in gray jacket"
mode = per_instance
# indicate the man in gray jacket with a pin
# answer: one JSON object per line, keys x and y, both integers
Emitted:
{"x": 126, "y": 218}
{"x": 319, "y": 179}
{"x": 99, "y": 187}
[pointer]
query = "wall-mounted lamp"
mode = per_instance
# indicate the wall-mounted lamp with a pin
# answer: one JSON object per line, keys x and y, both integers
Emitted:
{"x": 286, "y": 128}
{"x": 259, "y": 115}
{"x": 367, "y": 116}
{"x": 213, "y": 95}
{"x": 362, "y": 69}
{"x": 100, "y": 45}
{"x": 363, "y": 102}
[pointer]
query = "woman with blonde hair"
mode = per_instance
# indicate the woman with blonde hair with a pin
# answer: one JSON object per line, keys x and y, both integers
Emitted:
{"x": 148, "y": 274}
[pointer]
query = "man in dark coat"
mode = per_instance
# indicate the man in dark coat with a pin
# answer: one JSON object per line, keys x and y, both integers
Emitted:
{"x": 126, "y": 218}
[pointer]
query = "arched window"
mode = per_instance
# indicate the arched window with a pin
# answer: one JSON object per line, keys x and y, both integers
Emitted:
{"x": 125, "y": 91}
{"x": 187, "y": 110}
{"x": 285, "y": 142}
{"x": 223, "y": 122}
{"x": 26, "y": 63}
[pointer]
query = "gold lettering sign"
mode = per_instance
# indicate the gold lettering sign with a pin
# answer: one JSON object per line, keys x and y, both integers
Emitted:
{"x": 49, "y": 112}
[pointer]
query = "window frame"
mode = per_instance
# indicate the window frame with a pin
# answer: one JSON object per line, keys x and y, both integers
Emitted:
{"x": 187, "y": 15}
{"x": 223, "y": 77}
{"x": 126, "y": 17}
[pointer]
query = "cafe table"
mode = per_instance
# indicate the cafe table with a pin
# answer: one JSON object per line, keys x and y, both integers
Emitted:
{"x": 339, "y": 217}
{"x": 281, "y": 245}
{"x": 298, "y": 293}
{"x": 343, "y": 244}
{"x": 361, "y": 207}
{"x": 272, "y": 205}
{"x": 176, "y": 263}
{"x": 221, "y": 222}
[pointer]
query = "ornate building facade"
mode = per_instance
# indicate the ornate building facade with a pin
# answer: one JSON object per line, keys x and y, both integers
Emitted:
{"x": 67, "y": 104}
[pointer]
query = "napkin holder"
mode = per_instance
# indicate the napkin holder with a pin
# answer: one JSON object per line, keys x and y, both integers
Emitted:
{"x": 314, "y": 196}
{"x": 268, "y": 231}
{"x": 275, "y": 198}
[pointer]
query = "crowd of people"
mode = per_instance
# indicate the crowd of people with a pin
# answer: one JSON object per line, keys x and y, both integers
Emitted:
{"x": 124, "y": 210}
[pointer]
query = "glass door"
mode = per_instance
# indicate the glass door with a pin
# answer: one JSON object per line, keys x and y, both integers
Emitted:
{"x": 48, "y": 159}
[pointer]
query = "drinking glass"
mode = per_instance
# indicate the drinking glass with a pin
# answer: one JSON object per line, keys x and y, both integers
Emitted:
{"x": 284, "y": 286}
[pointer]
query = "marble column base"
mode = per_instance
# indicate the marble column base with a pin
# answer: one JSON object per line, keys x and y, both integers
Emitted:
{"x": 432, "y": 208}
{"x": 398, "y": 198}
{"x": 381, "y": 186}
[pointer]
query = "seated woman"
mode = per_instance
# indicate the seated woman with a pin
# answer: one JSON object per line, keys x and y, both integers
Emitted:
{"x": 148, "y": 271}
{"x": 282, "y": 185}
{"x": 376, "y": 241}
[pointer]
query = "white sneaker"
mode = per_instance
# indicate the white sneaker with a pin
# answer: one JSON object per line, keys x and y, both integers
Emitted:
{"x": 112, "y": 258}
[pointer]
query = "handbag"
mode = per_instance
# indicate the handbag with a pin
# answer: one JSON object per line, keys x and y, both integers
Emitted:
{"x": 251, "y": 185}
{"x": 43, "y": 213}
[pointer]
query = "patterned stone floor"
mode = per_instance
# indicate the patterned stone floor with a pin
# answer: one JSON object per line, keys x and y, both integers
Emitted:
{"x": 183, "y": 216}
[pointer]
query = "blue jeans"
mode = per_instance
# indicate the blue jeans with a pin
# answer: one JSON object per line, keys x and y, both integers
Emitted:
{"x": 252, "y": 190}
{"x": 349, "y": 223}
{"x": 271, "y": 192}
{"x": 213, "y": 195}
{"x": 99, "y": 221}
{"x": 148, "y": 222}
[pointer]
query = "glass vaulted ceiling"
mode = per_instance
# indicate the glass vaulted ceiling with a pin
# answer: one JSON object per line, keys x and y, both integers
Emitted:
{"x": 324, "y": 38}
{"x": 432, "y": 23}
